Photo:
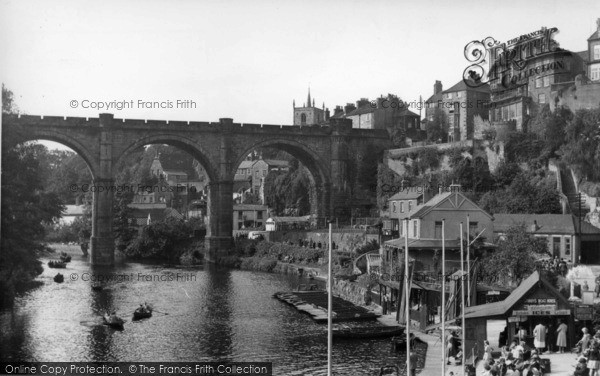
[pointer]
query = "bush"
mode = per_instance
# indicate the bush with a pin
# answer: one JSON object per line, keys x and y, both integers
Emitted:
{"x": 161, "y": 240}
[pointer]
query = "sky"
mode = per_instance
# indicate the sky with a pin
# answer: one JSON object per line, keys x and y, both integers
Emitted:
{"x": 248, "y": 60}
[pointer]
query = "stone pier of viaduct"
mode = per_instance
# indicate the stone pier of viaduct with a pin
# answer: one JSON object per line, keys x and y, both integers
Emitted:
{"x": 220, "y": 147}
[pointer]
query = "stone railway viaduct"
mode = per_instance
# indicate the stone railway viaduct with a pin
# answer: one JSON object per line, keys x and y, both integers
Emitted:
{"x": 220, "y": 147}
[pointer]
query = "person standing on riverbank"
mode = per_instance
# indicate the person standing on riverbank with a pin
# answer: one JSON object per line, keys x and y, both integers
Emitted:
{"x": 539, "y": 340}
{"x": 561, "y": 338}
{"x": 413, "y": 363}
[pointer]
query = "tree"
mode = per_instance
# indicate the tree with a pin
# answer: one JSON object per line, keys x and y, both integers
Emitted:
{"x": 527, "y": 193}
{"x": 582, "y": 149}
{"x": 437, "y": 128}
{"x": 514, "y": 260}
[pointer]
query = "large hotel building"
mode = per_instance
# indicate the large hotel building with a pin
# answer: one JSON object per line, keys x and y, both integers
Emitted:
{"x": 534, "y": 72}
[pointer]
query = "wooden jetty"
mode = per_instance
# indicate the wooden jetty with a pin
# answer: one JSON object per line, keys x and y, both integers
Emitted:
{"x": 315, "y": 304}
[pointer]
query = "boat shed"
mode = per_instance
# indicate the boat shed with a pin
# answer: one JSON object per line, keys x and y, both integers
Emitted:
{"x": 535, "y": 301}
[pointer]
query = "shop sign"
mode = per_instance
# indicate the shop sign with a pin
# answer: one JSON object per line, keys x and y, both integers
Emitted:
{"x": 584, "y": 312}
{"x": 517, "y": 319}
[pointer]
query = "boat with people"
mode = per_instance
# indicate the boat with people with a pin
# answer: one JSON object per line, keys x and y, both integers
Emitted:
{"x": 144, "y": 311}
{"x": 113, "y": 321}
{"x": 56, "y": 264}
{"x": 367, "y": 332}
{"x": 59, "y": 278}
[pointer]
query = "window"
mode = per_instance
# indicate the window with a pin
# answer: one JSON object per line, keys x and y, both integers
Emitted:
{"x": 259, "y": 215}
{"x": 401, "y": 206}
{"x": 449, "y": 95}
{"x": 394, "y": 206}
{"x": 415, "y": 229}
{"x": 264, "y": 172}
{"x": 542, "y": 98}
{"x": 438, "y": 230}
{"x": 409, "y": 205}
{"x": 459, "y": 94}
{"x": 303, "y": 119}
{"x": 538, "y": 82}
{"x": 567, "y": 245}
{"x": 546, "y": 81}
{"x": 473, "y": 228}
{"x": 595, "y": 73}
{"x": 556, "y": 245}
{"x": 240, "y": 214}
{"x": 597, "y": 52}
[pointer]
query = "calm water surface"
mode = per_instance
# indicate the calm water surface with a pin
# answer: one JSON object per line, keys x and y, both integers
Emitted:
{"x": 210, "y": 314}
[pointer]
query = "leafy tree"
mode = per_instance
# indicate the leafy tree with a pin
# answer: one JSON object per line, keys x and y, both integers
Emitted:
{"x": 505, "y": 173}
{"x": 287, "y": 190}
{"x": 582, "y": 149}
{"x": 437, "y": 128}
{"x": 514, "y": 260}
{"x": 8, "y": 103}
{"x": 527, "y": 193}
{"x": 26, "y": 207}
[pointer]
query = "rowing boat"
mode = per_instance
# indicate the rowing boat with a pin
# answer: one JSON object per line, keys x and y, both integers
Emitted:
{"x": 368, "y": 332}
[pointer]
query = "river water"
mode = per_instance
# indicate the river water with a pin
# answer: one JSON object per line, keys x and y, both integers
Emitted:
{"x": 201, "y": 314}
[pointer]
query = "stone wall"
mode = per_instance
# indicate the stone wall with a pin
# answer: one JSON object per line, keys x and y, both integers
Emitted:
{"x": 349, "y": 291}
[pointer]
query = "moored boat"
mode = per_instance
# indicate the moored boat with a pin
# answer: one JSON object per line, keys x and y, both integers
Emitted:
{"x": 59, "y": 278}
{"x": 368, "y": 332}
{"x": 57, "y": 264}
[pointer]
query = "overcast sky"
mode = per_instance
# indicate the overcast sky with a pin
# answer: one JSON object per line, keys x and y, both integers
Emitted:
{"x": 248, "y": 60}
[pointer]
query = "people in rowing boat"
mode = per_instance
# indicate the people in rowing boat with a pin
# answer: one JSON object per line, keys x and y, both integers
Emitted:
{"x": 144, "y": 309}
{"x": 113, "y": 319}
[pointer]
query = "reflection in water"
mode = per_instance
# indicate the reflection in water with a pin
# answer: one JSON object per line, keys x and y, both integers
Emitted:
{"x": 216, "y": 315}
{"x": 215, "y": 309}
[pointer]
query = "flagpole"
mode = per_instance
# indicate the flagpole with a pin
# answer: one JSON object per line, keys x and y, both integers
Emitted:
{"x": 443, "y": 313}
{"x": 462, "y": 292}
{"x": 329, "y": 309}
{"x": 407, "y": 294}
{"x": 468, "y": 263}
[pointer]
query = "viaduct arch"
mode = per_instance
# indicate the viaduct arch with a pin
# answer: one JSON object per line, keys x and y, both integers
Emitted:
{"x": 220, "y": 147}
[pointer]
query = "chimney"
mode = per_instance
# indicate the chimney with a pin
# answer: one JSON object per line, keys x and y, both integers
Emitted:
{"x": 337, "y": 111}
{"x": 437, "y": 87}
{"x": 362, "y": 102}
{"x": 534, "y": 226}
{"x": 455, "y": 187}
{"x": 349, "y": 107}
{"x": 380, "y": 101}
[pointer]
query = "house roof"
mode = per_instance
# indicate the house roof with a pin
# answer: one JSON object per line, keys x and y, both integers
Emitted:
{"x": 422, "y": 210}
{"x": 406, "y": 112}
{"x": 73, "y": 210}
{"x": 501, "y": 308}
{"x": 586, "y": 228}
{"x": 406, "y": 195}
{"x": 546, "y": 223}
{"x": 423, "y": 243}
{"x": 246, "y": 164}
{"x": 462, "y": 86}
{"x": 249, "y": 207}
{"x": 277, "y": 162}
{"x": 595, "y": 36}
{"x": 306, "y": 218}
{"x": 584, "y": 55}
{"x": 434, "y": 98}
{"x": 174, "y": 172}
{"x": 361, "y": 110}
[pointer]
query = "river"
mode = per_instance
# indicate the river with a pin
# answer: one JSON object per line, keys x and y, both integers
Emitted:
{"x": 201, "y": 314}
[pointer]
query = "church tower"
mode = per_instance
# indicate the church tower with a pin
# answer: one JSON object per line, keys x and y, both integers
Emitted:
{"x": 308, "y": 114}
